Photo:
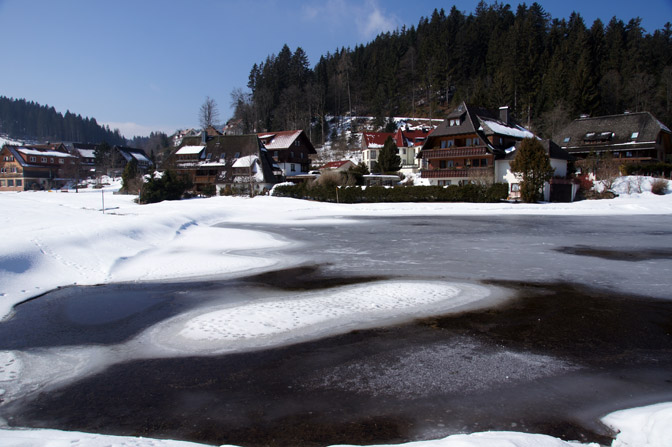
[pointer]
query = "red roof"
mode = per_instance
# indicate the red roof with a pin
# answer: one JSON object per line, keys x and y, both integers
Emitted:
{"x": 377, "y": 138}
{"x": 335, "y": 164}
{"x": 410, "y": 138}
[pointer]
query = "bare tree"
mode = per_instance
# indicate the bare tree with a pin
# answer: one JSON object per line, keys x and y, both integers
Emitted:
{"x": 208, "y": 114}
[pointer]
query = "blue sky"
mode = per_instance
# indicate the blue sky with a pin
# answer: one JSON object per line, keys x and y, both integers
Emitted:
{"x": 143, "y": 65}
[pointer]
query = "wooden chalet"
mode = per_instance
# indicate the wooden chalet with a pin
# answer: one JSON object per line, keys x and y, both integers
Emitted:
{"x": 291, "y": 150}
{"x": 631, "y": 137}
{"x": 25, "y": 168}
{"x": 465, "y": 146}
{"x": 122, "y": 155}
{"x": 223, "y": 160}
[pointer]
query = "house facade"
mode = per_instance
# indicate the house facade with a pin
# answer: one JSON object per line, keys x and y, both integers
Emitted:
{"x": 465, "y": 146}
{"x": 372, "y": 143}
{"x": 25, "y": 168}
{"x": 290, "y": 149}
{"x": 226, "y": 160}
{"x": 558, "y": 189}
{"x": 629, "y": 137}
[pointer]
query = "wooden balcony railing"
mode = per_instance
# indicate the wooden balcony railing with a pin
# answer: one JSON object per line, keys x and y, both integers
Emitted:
{"x": 454, "y": 152}
{"x": 457, "y": 172}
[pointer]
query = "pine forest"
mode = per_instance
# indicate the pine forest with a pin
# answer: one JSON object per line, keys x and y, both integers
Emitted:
{"x": 547, "y": 70}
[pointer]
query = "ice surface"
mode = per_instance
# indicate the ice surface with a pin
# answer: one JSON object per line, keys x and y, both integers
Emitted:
{"x": 274, "y": 322}
{"x": 53, "y": 239}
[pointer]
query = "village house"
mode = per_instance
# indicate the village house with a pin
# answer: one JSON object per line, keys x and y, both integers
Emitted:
{"x": 122, "y": 155}
{"x": 87, "y": 159}
{"x": 559, "y": 189}
{"x": 25, "y": 168}
{"x": 629, "y": 137}
{"x": 465, "y": 146}
{"x": 408, "y": 142}
{"x": 291, "y": 150}
{"x": 236, "y": 161}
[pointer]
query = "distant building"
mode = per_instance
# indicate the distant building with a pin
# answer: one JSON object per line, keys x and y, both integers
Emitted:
{"x": 408, "y": 141}
{"x": 226, "y": 160}
{"x": 122, "y": 155}
{"x": 342, "y": 165}
{"x": 631, "y": 137}
{"x": 291, "y": 150}
{"x": 25, "y": 168}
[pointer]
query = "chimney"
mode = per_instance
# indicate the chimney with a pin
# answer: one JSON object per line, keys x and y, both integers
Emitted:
{"x": 504, "y": 114}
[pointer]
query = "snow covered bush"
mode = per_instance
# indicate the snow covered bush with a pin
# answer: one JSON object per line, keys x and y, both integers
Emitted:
{"x": 659, "y": 186}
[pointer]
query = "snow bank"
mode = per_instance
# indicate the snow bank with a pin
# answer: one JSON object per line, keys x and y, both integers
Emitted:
{"x": 642, "y": 427}
{"x": 55, "y": 438}
{"x": 54, "y": 239}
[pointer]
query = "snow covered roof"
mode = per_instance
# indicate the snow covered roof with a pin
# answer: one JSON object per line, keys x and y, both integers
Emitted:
{"x": 190, "y": 150}
{"x": 500, "y": 128}
{"x": 246, "y": 162}
{"x": 374, "y": 140}
{"x": 27, "y": 151}
{"x": 87, "y": 153}
{"x": 279, "y": 140}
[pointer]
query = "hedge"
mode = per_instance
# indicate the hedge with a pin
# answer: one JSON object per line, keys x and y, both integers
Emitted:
{"x": 374, "y": 194}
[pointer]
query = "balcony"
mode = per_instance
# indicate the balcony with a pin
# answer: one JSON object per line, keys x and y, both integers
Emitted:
{"x": 457, "y": 173}
{"x": 453, "y": 152}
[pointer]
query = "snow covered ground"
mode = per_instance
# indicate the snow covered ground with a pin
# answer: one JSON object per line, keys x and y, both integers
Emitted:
{"x": 56, "y": 239}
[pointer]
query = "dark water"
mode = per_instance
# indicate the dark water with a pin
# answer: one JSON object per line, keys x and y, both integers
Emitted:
{"x": 554, "y": 359}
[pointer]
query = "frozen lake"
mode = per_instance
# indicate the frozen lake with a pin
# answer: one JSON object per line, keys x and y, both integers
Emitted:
{"x": 539, "y": 324}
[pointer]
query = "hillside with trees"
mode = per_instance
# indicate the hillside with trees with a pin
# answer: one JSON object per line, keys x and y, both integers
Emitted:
{"x": 28, "y": 120}
{"x": 547, "y": 70}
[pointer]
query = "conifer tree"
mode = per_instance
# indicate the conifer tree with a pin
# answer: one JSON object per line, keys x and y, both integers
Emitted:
{"x": 389, "y": 161}
{"x": 533, "y": 166}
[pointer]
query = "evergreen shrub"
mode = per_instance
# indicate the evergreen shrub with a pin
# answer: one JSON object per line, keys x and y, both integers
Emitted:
{"x": 376, "y": 194}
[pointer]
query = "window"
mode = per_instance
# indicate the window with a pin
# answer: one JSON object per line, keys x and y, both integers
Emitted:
{"x": 403, "y": 151}
{"x": 484, "y": 162}
{"x": 19, "y": 182}
{"x": 10, "y": 182}
{"x": 501, "y": 141}
{"x": 373, "y": 155}
{"x": 33, "y": 159}
{"x": 293, "y": 167}
{"x": 51, "y": 160}
{"x": 61, "y": 161}
{"x": 476, "y": 143}
{"x": 443, "y": 144}
{"x": 44, "y": 159}
{"x": 566, "y": 140}
{"x": 442, "y": 164}
{"x": 291, "y": 154}
{"x": 297, "y": 143}
{"x": 444, "y": 182}
{"x": 634, "y": 135}
{"x": 515, "y": 187}
{"x": 468, "y": 141}
{"x": 236, "y": 155}
{"x": 3, "y": 170}
{"x": 628, "y": 154}
{"x": 301, "y": 154}
{"x": 2, "y": 183}
{"x": 451, "y": 143}
{"x": 275, "y": 154}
